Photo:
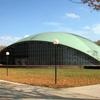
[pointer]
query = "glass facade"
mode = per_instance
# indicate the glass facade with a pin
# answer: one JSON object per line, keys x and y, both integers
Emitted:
{"x": 45, "y": 53}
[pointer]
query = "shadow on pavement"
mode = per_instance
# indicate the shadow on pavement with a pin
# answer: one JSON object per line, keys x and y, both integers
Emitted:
{"x": 9, "y": 94}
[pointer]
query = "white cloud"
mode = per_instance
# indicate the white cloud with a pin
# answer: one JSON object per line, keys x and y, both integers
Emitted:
{"x": 7, "y": 40}
{"x": 96, "y": 29}
{"x": 87, "y": 28}
{"x": 52, "y": 23}
{"x": 72, "y": 15}
{"x": 63, "y": 28}
{"x": 93, "y": 28}
{"x": 26, "y": 36}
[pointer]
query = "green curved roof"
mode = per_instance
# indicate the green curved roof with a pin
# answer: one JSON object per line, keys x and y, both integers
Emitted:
{"x": 68, "y": 39}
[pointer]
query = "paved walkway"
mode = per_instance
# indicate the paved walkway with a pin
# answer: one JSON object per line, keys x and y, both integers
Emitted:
{"x": 16, "y": 91}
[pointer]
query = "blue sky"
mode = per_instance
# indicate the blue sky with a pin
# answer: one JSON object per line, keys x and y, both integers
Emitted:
{"x": 21, "y": 18}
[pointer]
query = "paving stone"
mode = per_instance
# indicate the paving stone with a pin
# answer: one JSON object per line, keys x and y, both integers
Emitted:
{"x": 17, "y": 91}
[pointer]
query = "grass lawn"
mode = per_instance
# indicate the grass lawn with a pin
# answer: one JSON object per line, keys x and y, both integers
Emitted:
{"x": 67, "y": 77}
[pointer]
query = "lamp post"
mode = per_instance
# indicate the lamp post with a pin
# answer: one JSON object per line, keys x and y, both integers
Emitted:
{"x": 7, "y": 56}
{"x": 55, "y": 42}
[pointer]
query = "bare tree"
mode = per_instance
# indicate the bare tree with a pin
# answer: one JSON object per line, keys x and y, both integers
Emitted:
{"x": 98, "y": 42}
{"x": 1, "y": 47}
{"x": 95, "y": 4}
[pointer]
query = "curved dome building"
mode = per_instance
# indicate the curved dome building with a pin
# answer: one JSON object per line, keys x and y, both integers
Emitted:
{"x": 40, "y": 50}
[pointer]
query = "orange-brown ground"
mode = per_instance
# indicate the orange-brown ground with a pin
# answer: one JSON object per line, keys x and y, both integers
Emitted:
{"x": 45, "y": 77}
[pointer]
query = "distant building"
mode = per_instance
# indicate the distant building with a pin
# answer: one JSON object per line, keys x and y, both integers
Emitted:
{"x": 40, "y": 50}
